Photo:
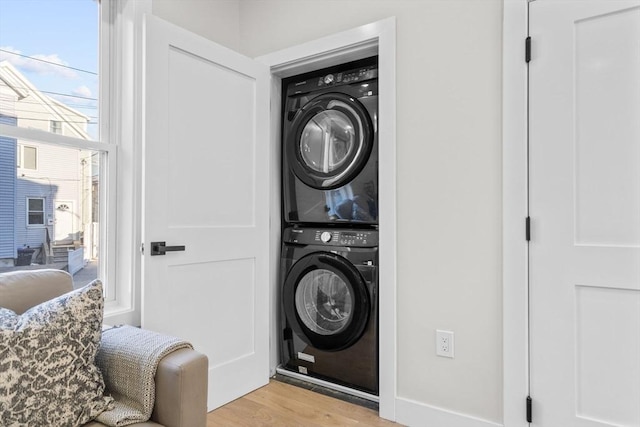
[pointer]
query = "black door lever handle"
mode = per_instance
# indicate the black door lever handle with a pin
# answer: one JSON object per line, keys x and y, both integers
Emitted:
{"x": 160, "y": 248}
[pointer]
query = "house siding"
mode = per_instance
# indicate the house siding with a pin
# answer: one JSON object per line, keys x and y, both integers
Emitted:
{"x": 7, "y": 191}
{"x": 60, "y": 174}
{"x": 57, "y": 178}
{"x": 26, "y": 235}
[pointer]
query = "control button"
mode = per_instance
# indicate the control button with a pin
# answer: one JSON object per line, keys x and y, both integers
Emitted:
{"x": 325, "y": 237}
{"x": 328, "y": 79}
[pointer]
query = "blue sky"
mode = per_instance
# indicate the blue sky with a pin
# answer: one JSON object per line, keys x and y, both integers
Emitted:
{"x": 60, "y": 31}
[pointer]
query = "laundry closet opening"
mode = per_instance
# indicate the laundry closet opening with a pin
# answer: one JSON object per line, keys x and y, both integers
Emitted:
{"x": 343, "y": 219}
{"x": 328, "y": 281}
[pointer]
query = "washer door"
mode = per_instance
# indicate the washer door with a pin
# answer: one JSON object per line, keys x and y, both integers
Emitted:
{"x": 326, "y": 301}
{"x": 330, "y": 141}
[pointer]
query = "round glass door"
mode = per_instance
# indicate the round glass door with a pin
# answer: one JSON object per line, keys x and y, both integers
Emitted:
{"x": 330, "y": 141}
{"x": 326, "y": 301}
{"x": 327, "y": 141}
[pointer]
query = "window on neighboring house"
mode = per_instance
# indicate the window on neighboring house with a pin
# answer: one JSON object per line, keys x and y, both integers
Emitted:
{"x": 35, "y": 211}
{"x": 56, "y": 126}
{"x": 27, "y": 157}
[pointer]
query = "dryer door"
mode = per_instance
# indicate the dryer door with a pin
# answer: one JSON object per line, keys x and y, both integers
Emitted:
{"x": 326, "y": 301}
{"x": 330, "y": 141}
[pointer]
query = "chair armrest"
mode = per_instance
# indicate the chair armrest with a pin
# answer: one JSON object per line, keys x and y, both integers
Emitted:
{"x": 181, "y": 389}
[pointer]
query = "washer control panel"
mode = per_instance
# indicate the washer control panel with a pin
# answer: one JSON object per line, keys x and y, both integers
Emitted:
{"x": 331, "y": 237}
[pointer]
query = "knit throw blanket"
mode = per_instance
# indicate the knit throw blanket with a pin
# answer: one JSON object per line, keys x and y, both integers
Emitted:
{"x": 128, "y": 358}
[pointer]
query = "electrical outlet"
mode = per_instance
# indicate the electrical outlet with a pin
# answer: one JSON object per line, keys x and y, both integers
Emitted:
{"x": 444, "y": 343}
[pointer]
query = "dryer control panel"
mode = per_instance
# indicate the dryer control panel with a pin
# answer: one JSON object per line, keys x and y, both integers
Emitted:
{"x": 351, "y": 76}
{"x": 347, "y": 74}
{"x": 331, "y": 79}
{"x": 331, "y": 237}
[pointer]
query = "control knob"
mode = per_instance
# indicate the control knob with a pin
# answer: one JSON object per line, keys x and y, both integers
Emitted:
{"x": 325, "y": 236}
{"x": 328, "y": 79}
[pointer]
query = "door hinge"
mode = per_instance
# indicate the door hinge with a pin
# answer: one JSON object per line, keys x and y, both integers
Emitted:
{"x": 528, "y": 409}
{"x": 527, "y": 49}
{"x": 527, "y": 228}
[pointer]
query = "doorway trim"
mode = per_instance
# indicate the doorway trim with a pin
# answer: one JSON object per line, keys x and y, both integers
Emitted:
{"x": 514, "y": 211}
{"x": 376, "y": 38}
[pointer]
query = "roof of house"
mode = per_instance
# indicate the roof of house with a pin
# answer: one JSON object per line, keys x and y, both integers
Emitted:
{"x": 23, "y": 88}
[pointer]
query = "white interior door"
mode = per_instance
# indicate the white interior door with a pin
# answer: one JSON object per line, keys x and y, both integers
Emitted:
{"x": 585, "y": 213}
{"x": 206, "y": 187}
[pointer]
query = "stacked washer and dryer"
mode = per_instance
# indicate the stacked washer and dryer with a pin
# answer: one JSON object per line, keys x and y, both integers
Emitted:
{"x": 329, "y": 259}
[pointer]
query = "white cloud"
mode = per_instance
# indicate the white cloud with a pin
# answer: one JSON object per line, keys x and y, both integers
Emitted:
{"x": 34, "y": 63}
{"x": 83, "y": 91}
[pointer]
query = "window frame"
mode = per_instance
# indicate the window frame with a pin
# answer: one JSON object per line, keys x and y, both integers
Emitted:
{"x": 20, "y": 156}
{"x": 125, "y": 102}
{"x": 55, "y": 126}
{"x": 28, "y": 212}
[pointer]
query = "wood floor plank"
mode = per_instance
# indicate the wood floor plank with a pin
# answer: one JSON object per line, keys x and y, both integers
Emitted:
{"x": 281, "y": 404}
{"x": 241, "y": 413}
{"x": 309, "y": 410}
{"x": 326, "y": 404}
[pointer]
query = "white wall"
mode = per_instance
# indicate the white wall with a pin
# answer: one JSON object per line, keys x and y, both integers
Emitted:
{"x": 449, "y": 55}
{"x": 217, "y": 20}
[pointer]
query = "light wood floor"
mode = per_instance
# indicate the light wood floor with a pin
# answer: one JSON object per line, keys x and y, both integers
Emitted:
{"x": 280, "y": 404}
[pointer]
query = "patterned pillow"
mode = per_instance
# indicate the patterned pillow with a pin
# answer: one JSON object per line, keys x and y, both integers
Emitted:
{"x": 48, "y": 375}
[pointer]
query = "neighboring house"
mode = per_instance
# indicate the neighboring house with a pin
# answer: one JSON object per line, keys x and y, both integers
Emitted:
{"x": 47, "y": 190}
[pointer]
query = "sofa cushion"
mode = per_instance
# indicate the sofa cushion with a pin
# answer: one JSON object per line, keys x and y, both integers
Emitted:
{"x": 48, "y": 374}
{"x": 21, "y": 290}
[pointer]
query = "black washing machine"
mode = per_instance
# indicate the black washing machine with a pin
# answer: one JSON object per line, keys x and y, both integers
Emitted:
{"x": 330, "y": 145}
{"x": 329, "y": 306}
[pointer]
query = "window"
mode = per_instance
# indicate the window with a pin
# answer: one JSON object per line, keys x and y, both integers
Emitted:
{"x": 95, "y": 39}
{"x": 50, "y": 84}
{"x": 56, "y": 126}
{"x": 35, "y": 211}
{"x": 27, "y": 157}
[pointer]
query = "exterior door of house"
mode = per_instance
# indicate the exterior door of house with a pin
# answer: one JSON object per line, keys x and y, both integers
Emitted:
{"x": 206, "y": 199}
{"x": 63, "y": 214}
{"x": 585, "y": 213}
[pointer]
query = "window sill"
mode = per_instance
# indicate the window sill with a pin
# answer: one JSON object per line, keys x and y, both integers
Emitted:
{"x": 117, "y": 314}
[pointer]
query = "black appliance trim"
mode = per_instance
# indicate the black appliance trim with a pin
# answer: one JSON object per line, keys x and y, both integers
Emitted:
{"x": 356, "y": 161}
{"x": 357, "y": 286}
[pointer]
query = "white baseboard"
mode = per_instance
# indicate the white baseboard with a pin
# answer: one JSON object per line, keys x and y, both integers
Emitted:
{"x": 415, "y": 414}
